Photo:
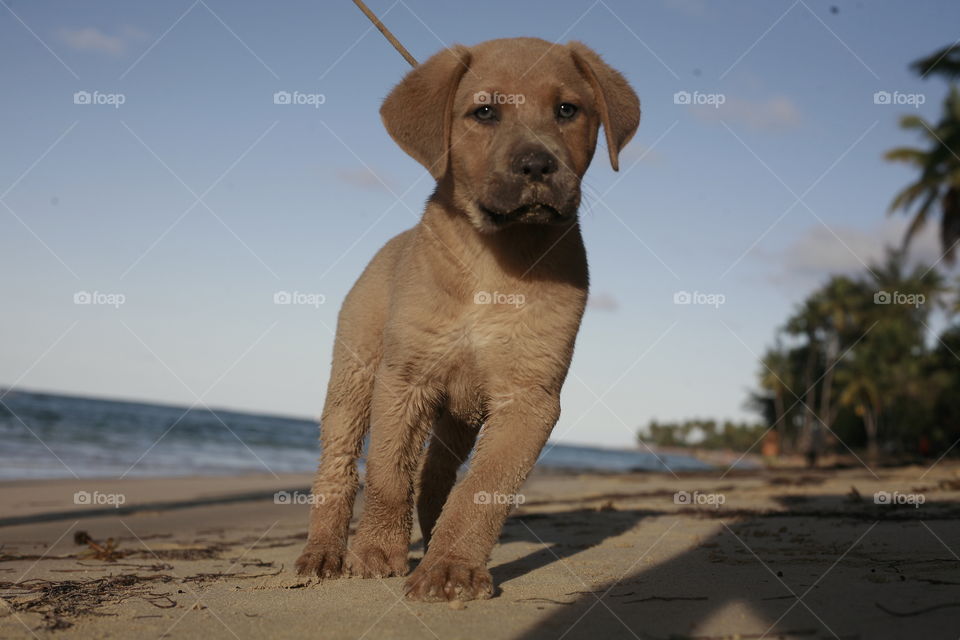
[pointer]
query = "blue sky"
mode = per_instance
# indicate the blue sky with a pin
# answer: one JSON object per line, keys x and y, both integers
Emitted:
{"x": 198, "y": 198}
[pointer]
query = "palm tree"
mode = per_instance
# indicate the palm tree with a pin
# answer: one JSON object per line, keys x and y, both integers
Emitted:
{"x": 828, "y": 319}
{"x": 776, "y": 376}
{"x": 938, "y": 163}
{"x": 843, "y": 306}
{"x": 861, "y": 391}
{"x": 885, "y": 372}
{"x": 926, "y": 283}
{"x": 807, "y": 322}
{"x": 944, "y": 62}
{"x": 954, "y": 309}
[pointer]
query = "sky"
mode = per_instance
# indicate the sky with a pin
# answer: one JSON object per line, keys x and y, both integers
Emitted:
{"x": 148, "y": 171}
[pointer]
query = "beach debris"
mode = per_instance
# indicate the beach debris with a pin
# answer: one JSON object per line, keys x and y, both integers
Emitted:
{"x": 57, "y": 601}
{"x": 13, "y": 557}
{"x": 109, "y": 552}
{"x": 210, "y": 577}
{"x": 950, "y": 484}
{"x": 211, "y": 552}
{"x": 457, "y": 605}
{"x": 550, "y": 600}
{"x": 252, "y": 562}
{"x": 106, "y": 551}
{"x": 60, "y": 600}
{"x": 5, "y": 608}
{"x": 664, "y": 599}
{"x": 916, "y": 612}
{"x": 798, "y": 481}
{"x": 155, "y": 567}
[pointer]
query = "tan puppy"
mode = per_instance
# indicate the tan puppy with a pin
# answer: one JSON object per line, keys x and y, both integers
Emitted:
{"x": 467, "y": 320}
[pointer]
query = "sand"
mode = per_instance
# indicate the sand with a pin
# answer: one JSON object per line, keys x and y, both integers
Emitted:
{"x": 779, "y": 553}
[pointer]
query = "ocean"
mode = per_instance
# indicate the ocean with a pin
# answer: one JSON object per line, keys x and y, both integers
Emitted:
{"x": 45, "y": 435}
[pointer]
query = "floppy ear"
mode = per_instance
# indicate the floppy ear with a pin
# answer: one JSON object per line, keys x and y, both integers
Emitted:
{"x": 418, "y": 113}
{"x": 617, "y": 103}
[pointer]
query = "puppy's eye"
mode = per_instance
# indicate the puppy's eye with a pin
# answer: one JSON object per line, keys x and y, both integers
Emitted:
{"x": 566, "y": 111}
{"x": 485, "y": 112}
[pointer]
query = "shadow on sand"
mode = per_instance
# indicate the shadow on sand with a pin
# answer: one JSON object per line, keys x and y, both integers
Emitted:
{"x": 827, "y": 566}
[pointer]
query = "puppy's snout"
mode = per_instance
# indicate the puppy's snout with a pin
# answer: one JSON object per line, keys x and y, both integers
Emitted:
{"x": 534, "y": 164}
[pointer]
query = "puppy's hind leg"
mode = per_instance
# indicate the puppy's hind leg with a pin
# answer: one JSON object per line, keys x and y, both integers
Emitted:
{"x": 343, "y": 425}
{"x": 451, "y": 443}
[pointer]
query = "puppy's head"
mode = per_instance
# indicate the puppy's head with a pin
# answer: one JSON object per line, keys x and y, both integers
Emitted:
{"x": 509, "y": 126}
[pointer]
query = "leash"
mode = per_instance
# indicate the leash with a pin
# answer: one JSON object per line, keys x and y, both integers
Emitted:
{"x": 386, "y": 33}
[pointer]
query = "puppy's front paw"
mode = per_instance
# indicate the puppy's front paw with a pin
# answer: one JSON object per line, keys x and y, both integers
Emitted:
{"x": 323, "y": 561}
{"x": 373, "y": 561}
{"x": 440, "y": 581}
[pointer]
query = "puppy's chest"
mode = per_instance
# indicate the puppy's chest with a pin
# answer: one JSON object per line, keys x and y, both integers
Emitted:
{"x": 503, "y": 329}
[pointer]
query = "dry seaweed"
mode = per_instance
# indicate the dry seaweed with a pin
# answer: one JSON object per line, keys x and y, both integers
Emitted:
{"x": 59, "y": 600}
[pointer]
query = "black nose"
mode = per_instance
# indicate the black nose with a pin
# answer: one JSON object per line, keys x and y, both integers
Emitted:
{"x": 534, "y": 164}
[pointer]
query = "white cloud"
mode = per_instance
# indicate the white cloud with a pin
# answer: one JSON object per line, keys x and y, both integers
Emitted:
{"x": 775, "y": 114}
{"x": 365, "y": 179}
{"x": 603, "y": 302}
{"x": 93, "y": 39}
{"x": 819, "y": 252}
{"x": 633, "y": 152}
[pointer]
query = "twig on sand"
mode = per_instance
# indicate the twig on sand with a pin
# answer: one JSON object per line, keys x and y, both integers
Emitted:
{"x": 665, "y": 599}
{"x": 203, "y": 577}
{"x": 550, "y": 600}
{"x": 107, "y": 551}
{"x": 916, "y": 612}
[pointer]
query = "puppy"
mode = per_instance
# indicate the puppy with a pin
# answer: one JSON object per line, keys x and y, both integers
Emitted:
{"x": 460, "y": 331}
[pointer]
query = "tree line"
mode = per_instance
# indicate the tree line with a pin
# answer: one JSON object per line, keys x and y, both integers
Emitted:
{"x": 857, "y": 363}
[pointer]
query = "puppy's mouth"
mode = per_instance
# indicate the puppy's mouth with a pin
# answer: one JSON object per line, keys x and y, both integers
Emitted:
{"x": 531, "y": 213}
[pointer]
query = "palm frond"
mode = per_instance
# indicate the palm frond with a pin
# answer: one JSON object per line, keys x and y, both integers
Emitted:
{"x": 944, "y": 62}
{"x": 910, "y": 155}
{"x": 920, "y": 217}
{"x": 906, "y": 198}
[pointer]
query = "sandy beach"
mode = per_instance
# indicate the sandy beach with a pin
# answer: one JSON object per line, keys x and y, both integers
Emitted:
{"x": 778, "y": 553}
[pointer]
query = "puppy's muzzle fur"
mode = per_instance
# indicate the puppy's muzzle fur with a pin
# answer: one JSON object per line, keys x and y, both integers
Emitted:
{"x": 536, "y": 189}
